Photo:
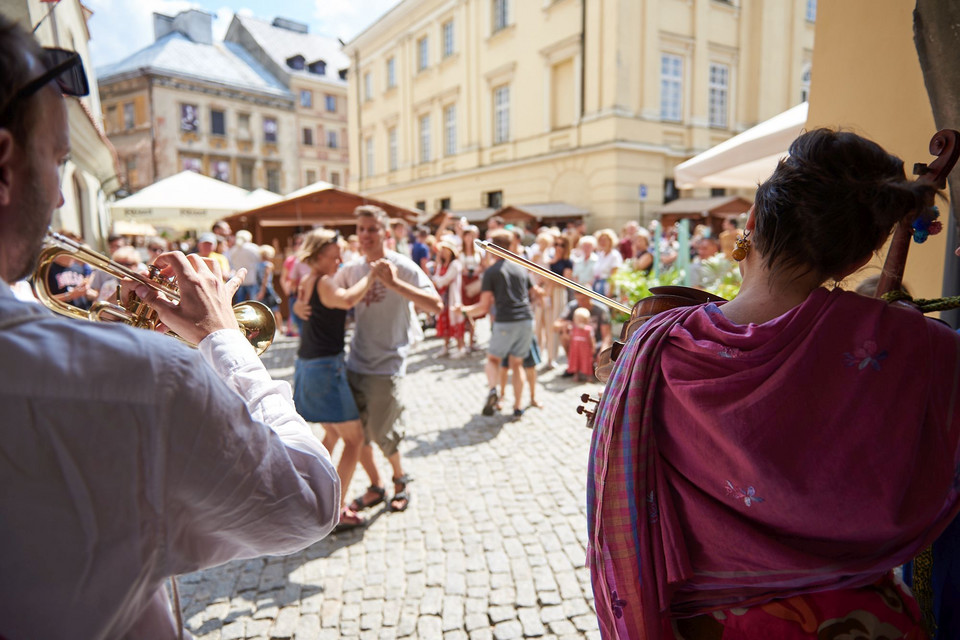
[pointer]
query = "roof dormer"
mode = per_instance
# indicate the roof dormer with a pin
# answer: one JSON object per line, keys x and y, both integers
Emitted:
{"x": 296, "y": 62}
{"x": 318, "y": 67}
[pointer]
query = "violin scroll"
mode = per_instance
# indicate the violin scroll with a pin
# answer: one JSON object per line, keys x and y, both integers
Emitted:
{"x": 583, "y": 409}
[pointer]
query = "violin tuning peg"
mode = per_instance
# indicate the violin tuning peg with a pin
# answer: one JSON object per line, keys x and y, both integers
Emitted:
{"x": 585, "y": 397}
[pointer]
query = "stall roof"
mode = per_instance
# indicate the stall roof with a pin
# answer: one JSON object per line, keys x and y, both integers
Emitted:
{"x": 705, "y": 206}
{"x": 746, "y": 159}
{"x": 185, "y": 201}
{"x": 547, "y": 210}
{"x": 317, "y": 204}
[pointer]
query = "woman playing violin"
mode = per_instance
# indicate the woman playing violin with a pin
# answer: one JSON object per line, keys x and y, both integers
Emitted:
{"x": 759, "y": 466}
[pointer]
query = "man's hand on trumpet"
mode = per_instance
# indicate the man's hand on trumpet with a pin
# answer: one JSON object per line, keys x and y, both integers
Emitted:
{"x": 205, "y": 304}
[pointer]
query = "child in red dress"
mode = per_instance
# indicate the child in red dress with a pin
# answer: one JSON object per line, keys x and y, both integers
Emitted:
{"x": 583, "y": 344}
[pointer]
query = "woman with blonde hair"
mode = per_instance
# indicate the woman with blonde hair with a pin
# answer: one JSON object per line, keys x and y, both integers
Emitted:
{"x": 608, "y": 260}
{"x": 320, "y": 389}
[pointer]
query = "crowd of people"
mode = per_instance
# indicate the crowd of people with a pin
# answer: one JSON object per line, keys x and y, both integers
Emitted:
{"x": 758, "y": 467}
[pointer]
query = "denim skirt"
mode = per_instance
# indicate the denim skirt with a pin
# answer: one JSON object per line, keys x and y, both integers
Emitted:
{"x": 321, "y": 392}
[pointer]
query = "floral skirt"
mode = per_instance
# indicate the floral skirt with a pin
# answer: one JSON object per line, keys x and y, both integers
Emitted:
{"x": 882, "y": 610}
{"x": 447, "y": 329}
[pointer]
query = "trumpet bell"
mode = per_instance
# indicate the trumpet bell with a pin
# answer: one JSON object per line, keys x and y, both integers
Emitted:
{"x": 257, "y": 322}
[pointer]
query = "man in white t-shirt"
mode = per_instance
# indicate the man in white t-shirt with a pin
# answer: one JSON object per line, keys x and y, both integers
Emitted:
{"x": 385, "y": 326}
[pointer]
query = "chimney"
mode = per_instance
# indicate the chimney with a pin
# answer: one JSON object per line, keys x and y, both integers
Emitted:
{"x": 290, "y": 25}
{"x": 196, "y": 25}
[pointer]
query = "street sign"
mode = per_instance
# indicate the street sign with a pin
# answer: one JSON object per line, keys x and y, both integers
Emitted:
{"x": 643, "y": 192}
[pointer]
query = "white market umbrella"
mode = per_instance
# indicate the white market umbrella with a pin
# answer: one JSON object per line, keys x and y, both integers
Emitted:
{"x": 260, "y": 198}
{"x": 185, "y": 201}
{"x": 746, "y": 159}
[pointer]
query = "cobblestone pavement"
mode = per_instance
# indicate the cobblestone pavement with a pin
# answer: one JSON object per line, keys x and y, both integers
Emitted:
{"x": 491, "y": 547}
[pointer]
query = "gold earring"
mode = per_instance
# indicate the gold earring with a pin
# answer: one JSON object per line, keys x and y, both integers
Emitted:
{"x": 743, "y": 246}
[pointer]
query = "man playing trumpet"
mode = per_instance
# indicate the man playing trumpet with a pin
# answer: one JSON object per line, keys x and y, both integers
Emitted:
{"x": 126, "y": 457}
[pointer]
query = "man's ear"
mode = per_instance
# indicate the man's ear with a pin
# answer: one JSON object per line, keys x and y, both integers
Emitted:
{"x": 7, "y": 145}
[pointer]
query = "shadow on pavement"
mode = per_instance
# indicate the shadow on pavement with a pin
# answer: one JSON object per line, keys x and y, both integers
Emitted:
{"x": 479, "y": 429}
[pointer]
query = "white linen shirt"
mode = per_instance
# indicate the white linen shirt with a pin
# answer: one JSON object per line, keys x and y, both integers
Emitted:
{"x": 127, "y": 457}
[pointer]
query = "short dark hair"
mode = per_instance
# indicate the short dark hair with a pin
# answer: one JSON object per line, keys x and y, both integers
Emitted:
{"x": 375, "y": 212}
{"x": 501, "y": 237}
{"x": 15, "y": 47}
{"x": 831, "y": 203}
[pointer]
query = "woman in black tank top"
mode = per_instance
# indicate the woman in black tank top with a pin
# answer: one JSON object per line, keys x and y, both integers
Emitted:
{"x": 321, "y": 392}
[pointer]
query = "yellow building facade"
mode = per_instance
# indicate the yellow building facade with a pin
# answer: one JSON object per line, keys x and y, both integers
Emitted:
{"x": 868, "y": 80}
{"x": 463, "y": 104}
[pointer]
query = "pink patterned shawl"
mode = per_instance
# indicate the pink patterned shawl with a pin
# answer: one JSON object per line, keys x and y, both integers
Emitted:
{"x": 735, "y": 464}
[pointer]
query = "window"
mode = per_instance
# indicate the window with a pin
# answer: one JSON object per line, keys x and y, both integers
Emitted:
{"x": 719, "y": 90}
{"x": 220, "y": 169}
{"x": 332, "y": 140}
{"x": 494, "y": 199}
{"x": 501, "y": 114}
{"x": 128, "y": 118}
{"x": 270, "y": 129}
{"x": 246, "y": 175}
{"x": 805, "y": 83}
{"x": 189, "y": 120}
{"x": 243, "y": 126}
{"x": 367, "y": 86}
{"x": 318, "y": 67}
{"x": 562, "y": 88}
{"x": 421, "y": 205}
{"x": 423, "y": 57}
{"x": 273, "y": 179}
{"x": 111, "y": 118}
{"x": 306, "y": 98}
{"x": 311, "y": 176}
{"x": 445, "y": 204}
{"x": 308, "y": 136}
{"x": 500, "y": 17}
{"x": 335, "y": 178}
{"x": 671, "y": 87}
{"x": 717, "y": 192}
{"x": 811, "y": 10}
{"x": 130, "y": 163}
{"x": 391, "y": 73}
{"x": 450, "y": 130}
{"x": 296, "y": 62}
{"x": 425, "y": 138}
{"x": 392, "y": 148}
{"x": 191, "y": 163}
{"x": 447, "y": 30}
{"x": 331, "y": 103}
{"x": 670, "y": 192}
{"x": 218, "y": 124}
{"x": 369, "y": 156}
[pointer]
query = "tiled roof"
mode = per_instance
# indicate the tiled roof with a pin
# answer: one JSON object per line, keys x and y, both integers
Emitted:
{"x": 282, "y": 44}
{"x": 223, "y": 63}
{"x": 551, "y": 210}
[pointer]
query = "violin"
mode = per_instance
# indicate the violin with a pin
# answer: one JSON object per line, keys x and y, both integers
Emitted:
{"x": 663, "y": 299}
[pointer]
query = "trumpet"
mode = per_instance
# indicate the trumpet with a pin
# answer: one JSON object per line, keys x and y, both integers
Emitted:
{"x": 256, "y": 320}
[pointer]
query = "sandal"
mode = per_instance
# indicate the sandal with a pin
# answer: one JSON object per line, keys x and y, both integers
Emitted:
{"x": 349, "y": 519}
{"x": 401, "y": 496}
{"x": 359, "y": 505}
{"x": 491, "y": 403}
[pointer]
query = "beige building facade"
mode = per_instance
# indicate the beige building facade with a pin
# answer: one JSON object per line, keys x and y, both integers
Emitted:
{"x": 465, "y": 104}
{"x": 314, "y": 69}
{"x": 90, "y": 175}
{"x": 187, "y": 103}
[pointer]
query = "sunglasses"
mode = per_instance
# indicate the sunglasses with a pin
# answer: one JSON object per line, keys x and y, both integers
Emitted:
{"x": 64, "y": 66}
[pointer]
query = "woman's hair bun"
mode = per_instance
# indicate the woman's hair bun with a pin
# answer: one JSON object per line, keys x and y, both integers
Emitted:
{"x": 832, "y": 202}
